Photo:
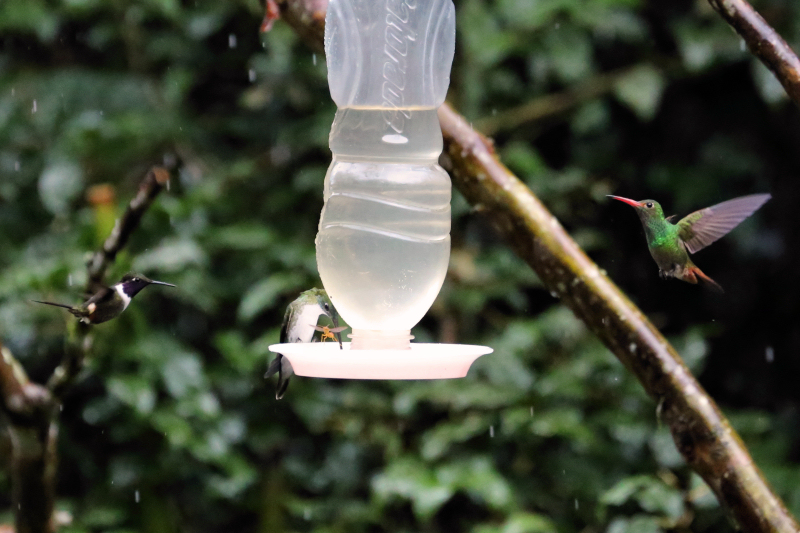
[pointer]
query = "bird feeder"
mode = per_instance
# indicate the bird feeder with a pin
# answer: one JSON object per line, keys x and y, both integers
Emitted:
{"x": 383, "y": 244}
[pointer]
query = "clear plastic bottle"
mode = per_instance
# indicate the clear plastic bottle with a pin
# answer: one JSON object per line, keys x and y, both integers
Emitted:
{"x": 384, "y": 235}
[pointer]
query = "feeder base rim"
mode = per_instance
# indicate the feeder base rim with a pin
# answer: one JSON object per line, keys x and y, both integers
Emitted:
{"x": 422, "y": 361}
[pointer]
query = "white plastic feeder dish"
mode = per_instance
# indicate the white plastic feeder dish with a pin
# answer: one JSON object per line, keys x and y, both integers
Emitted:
{"x": 384, "y": 235}
{"x": 422, "y": 361}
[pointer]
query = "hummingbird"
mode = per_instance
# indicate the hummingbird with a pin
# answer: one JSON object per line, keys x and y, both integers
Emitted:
{"x": 109, "y": 302}
{"x": 670, "y": 244}
{"x": 299, "y": 325}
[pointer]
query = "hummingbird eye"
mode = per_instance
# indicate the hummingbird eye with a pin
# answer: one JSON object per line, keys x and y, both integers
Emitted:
{"x": 649, "y": 205}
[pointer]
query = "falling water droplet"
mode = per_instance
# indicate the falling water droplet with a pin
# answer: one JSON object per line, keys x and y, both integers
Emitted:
{"x": 231, "y": 41}
{"x": 307, "y": 514}
{"x": 531, "y": 411}
{"x": 770, "y": 354}
{"x": 136, "y": 496}
{"x": 16, "y": 166}
{"x": 576, "y": 504}
{"x": 251, "y": 75}
{"x": 69, "y": 280}
{"x": 34, "y": 107}
{"x": 314, "y": 59}
{"x": 491, "y": 431}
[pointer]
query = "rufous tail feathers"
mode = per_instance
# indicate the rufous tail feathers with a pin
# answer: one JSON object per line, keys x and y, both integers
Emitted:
{"x": 692, "y": 274}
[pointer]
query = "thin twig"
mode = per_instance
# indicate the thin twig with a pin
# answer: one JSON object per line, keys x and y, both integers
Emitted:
{"x": 78, "y": 340}
{"x": 764, "y": 42}
{"x": 701, "y": 433}
{"x": 151, "y": 185}
{"x": 552, "y": 104}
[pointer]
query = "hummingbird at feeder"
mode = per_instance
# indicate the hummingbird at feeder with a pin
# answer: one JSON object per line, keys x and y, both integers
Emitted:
{"x": 299, "y": 325}
{"x": 109, "y": 302}
{"x": 670, "y": 244}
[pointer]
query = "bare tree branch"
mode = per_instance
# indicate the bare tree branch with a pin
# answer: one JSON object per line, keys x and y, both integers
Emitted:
{"x": 701, "y": 433}
{"x": 78, "y": 340}
{"x": 30, "y": 410}
{"x": 151, "y": 185}
{"x": 764, "y": 42}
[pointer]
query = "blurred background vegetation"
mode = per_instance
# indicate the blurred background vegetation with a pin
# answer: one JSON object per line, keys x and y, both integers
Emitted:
{"x": 173, "y": 427}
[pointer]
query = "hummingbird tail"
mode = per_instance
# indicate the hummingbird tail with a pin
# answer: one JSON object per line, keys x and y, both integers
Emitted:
{"x": 69, "y": 307}
{"x": 274, "y": 366}
{"x": 697, "y": 273}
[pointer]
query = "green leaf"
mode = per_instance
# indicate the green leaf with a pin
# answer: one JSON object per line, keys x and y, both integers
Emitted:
{"x": 133, "y": 390}
{"x": 410, "y": 479}
{"x": 60, "y": 184}
{"x": 641, "y": 89}
{"x": 265, "y": 293}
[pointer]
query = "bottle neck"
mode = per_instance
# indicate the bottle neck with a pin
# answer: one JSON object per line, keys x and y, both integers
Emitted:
{"x": 387, "y": 134}
{"x": 370, "y": 339}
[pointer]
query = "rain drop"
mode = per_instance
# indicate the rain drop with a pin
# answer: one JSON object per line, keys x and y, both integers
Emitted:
{"x": 69, "y": 280}
{"x": 576, "y": 504}
{"x": 231, "y": 41}
{"x": 314, "y": 59}
{"x": 34, "y": 107}
{"x": 136, "y": 496}
{"x": 251, "y": 75}
{"x": 770, "y": 354}
{"x": 307, "y": 514}
{"x": 491, "y": 432}
{"x": 16, "y": 166}
{"x": 531, "y": 411}
{"x": 742, "y": 45}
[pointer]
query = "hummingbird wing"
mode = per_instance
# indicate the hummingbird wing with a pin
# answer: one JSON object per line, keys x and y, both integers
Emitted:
{"x": 705, "y": 226}
{"x": 103, "y": 295}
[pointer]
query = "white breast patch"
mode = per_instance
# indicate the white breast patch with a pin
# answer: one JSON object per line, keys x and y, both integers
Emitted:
{"x": 304, "y": 327}
{"x": 125, "y": 298}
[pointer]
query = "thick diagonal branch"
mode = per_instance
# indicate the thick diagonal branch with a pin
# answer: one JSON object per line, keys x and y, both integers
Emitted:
{"x": 701, "y": 433}
{"x": 764, "y": 42}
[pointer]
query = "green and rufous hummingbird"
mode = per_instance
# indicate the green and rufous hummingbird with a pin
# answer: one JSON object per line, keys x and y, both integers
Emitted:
{"x": 670, "y": 244}
{"x": 109, "y": 302}
{"x": 299, "y": 325}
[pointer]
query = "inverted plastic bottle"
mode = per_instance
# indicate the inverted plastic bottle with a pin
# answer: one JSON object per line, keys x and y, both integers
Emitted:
{"x": 384, "y": 235}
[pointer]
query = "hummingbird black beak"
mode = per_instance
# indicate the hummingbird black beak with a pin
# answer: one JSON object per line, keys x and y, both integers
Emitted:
{"x": 335, "y": 320}
{"x": 154, "y": 282}
{"x": 628, "y": 201}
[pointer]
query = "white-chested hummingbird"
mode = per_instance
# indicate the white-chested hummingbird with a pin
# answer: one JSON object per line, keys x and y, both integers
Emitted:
{"x": 109, "y": 302}
{"x": 670, "y": 244}
{"x": 299, "y": 325}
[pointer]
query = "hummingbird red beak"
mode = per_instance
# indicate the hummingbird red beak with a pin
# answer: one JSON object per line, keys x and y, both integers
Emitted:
{"x": 628, "y": 201}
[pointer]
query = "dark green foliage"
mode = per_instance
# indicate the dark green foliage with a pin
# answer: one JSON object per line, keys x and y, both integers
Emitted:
{"x": 173, "y": 427}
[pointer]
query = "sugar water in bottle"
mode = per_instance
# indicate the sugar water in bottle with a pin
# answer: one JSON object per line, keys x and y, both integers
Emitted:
{"x": 384, "y": 235}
